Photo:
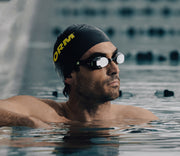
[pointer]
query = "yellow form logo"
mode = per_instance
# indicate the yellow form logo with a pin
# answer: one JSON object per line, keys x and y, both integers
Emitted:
{"x": 62, "y": 45}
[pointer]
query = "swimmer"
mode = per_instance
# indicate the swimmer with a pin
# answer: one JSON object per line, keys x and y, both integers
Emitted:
{"x": 88, "y": 62}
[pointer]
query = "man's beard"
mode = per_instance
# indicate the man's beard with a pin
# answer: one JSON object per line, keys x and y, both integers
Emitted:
{"x": 99, "y": 93}
{"x": 113, "y": 91}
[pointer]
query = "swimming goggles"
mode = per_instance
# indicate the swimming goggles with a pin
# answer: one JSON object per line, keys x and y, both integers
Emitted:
{"x": 99, "y": 60}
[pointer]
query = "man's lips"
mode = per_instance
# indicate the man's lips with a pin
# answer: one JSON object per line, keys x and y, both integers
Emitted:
{"x": 115, "y": 82}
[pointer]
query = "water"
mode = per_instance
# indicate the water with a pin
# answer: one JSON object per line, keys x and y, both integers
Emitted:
{"x": 27, "y": 35}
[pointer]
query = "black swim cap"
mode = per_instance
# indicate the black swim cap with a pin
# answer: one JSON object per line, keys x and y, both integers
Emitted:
{"x": 73, "y": 43}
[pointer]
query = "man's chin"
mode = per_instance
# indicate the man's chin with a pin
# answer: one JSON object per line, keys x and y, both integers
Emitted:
{"x": 113, "y": 95}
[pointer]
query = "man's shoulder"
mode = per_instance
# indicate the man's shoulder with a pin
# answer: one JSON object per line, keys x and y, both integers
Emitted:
{"x": 55, "y": 105}
{"x": 21, "y": 98}
{"x": 36, "y": 102}
{"x": 29, "y": 104}
{"x": 27, "y": 98}
{"x": 128, "y": 111}
{"x": 31, "y": 109}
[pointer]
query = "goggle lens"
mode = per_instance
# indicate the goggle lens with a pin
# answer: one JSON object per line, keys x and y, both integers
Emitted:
{"x": 120, "y": 58}
{"x": 102, "y": 62}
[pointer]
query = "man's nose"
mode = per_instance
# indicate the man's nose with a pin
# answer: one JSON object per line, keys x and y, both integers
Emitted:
{"x": 113, "y": 68}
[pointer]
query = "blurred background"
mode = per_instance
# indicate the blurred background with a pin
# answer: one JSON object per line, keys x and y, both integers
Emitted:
{"x": 146, "y": 31}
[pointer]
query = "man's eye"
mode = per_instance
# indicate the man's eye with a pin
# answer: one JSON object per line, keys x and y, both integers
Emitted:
{"x": 103, "y": 61}
{"x": 120, "y": 58}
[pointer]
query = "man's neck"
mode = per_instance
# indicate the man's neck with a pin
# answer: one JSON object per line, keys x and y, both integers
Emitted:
{"x": 86, "y": 110}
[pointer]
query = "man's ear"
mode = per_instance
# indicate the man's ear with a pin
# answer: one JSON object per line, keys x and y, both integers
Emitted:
{"x": 68, "y": 79}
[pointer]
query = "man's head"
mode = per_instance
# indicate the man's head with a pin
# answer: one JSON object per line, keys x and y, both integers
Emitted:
{"x": 73, "y": 43}
{"x": 77, "y": 43}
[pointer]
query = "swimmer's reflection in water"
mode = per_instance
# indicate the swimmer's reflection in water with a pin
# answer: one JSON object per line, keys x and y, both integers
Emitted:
{"x": 88, "y": 63}
{"x": 76, "y": 137}
{"x": 98, "y": 137}
{"x": 88, "y": 139}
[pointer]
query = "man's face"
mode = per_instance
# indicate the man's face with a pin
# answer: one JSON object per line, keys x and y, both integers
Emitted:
{"x": 100, "y": 84}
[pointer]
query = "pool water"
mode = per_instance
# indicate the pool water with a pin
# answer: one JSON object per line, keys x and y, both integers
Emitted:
{"x": 26, "y": 68}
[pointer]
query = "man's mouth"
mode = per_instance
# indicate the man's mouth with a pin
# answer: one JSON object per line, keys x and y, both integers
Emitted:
{"x": 114, "y": 82}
